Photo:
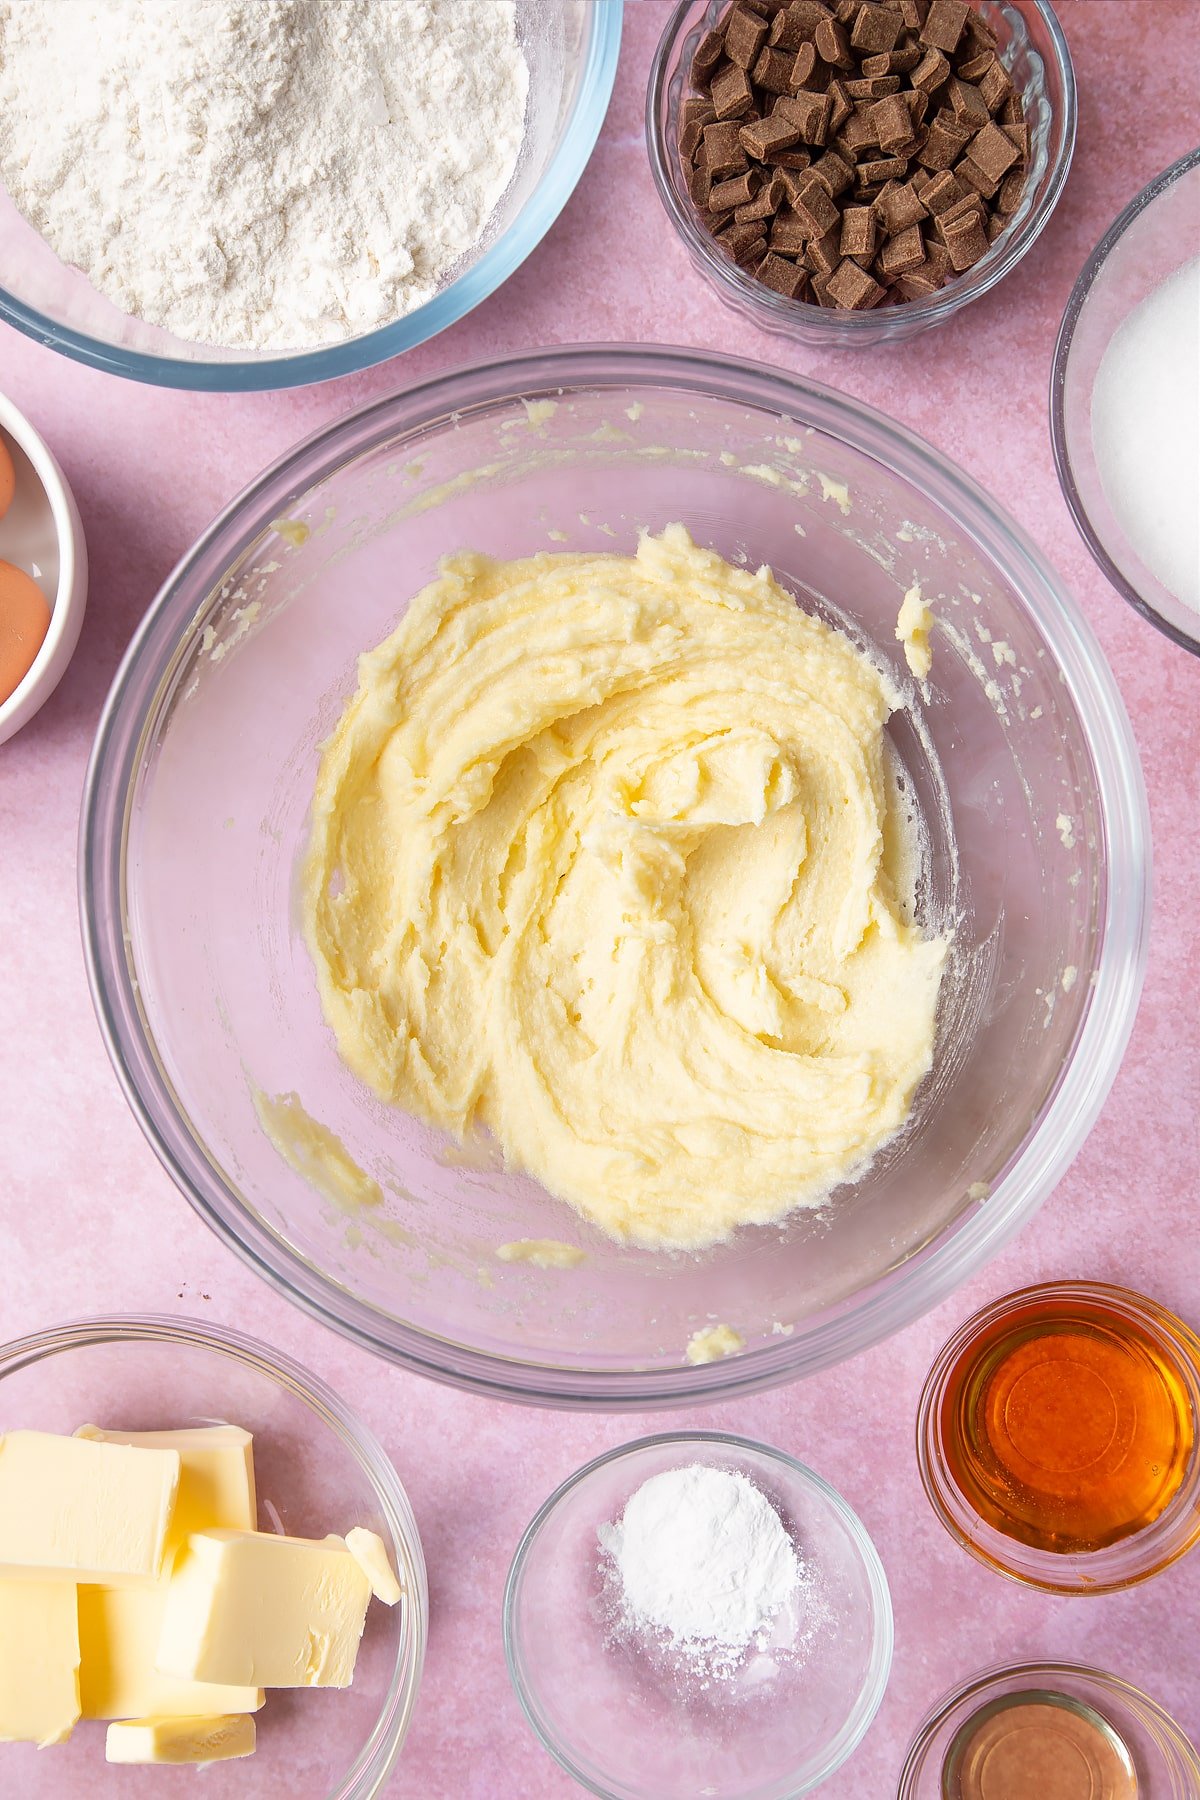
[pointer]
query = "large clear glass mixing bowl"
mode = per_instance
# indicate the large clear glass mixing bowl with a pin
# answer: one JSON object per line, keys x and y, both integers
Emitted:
{"x": 1019, "y": 758}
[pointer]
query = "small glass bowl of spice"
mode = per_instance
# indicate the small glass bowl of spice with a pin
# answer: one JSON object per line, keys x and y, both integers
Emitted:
{"x": 1049, "y": 1729}
{"x": 1057, "y": 1437}
{"x": 697, "y": 1613}
{"x": 853, "y": 172}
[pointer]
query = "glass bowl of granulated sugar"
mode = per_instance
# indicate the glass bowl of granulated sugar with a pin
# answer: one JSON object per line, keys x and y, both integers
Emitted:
{"x": 695, "y": 1613}
{"x": 324, "y": 186}
{"x": 1125, "y": 402}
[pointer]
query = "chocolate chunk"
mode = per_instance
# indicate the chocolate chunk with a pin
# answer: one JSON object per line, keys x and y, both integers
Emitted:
{"x": 852, "y": 288}
{"x": 968, "y": 170}
{"x": 764, "y": 135}
{"x": 877, "y": 87}
{"x": 773, "y": 71}
{"x": 834, "y": 173}
{"x": 740, "y": 240}
{"x": 1008, "y": 198}
{"x": 788, "y": 161}
{"x": 885, "y": 168}
{"x": 699, "y": 187}
{"x": 875, "y": 29}
{"x": 811, "y": 113}
{"x": 944, "y": 24}
{"x": 918, "y": 283}
{"x": 941, "y": 192}
{"x": 820, "y": 287}
{"x": 823, "y": 254}
{"x": 721, "y": 151}
{"x": 966, "y": 103}
{"x": 1019, "y": 135}
{"x": 918, "y": 106}
{"x": 739, "y": 190}
{"x": 709, "y": 52}
{"x": 696, "y": 109}
{"x": 979, "y": 32}
{"x": 997, "y": 223}
{"x": 789, "y": 232}
{"x": 783, "y": 275}
{"x": 993, "y": 151}
{"x": 843, "y": 106}
{"x": 974, "y": 67}
{"x": 966, "y": 241}
{"x": 797, "y": 23}
{"x": 833, "y": 45}
{"x": 932, "y": 70}
{"x": 944, "y": 145}
{"x": 765, "y": 204}
{"x": 814, "y": 207}
{"x": 904, "y": 58}
{"x": 732, "y": 94}
{"x": 913, "y": 13}
{"x": 937, "y": 260}
{"x": 860, "y": 232}
{"x": 904, "y": 251}
{"x": 745, "y": 35}
{"x": 807, "y": 70}
{"x": 893, "y": 124}
{"x": 899, "y": 206}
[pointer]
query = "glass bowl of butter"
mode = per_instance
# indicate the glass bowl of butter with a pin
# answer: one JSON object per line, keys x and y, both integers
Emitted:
{"x": 789, "y": 1009}
{"x": 235, "y": 1524}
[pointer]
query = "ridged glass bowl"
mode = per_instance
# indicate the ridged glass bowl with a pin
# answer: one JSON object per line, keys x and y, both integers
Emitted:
{"x": 571, "y": 48}
{"x": 1021, "y": 763}
{"x": 317, "y": 1470}
{"x": 1034, "y": 50}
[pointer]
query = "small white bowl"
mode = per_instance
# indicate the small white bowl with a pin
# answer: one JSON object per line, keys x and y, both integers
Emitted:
{"x": 42, "y": 533}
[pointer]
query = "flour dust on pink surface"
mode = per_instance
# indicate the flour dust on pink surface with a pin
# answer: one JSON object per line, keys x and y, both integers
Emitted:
{"x": 89, "y": 1222}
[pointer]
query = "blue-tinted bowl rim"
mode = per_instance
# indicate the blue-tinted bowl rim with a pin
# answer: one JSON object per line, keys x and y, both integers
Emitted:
{"x": 473, "y": 286}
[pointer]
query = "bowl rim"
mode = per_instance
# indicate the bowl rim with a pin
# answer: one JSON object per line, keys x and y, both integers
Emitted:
{"x": 978, "y": 1686}
{"x": 777, "y": 313}
{"x": 870, "y": 1696}
{"x": 1076, "y": 302}
{"x": 1167, "y": 1538}
{"x": 70, "y": 598}
{"x": 929, "y": 1274}
{"x": 378, "y": 1756}
{"x": 597, "y": 74}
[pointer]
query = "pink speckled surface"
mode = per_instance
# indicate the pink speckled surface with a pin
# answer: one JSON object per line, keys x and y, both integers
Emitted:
{"x": 89, "y": 1222}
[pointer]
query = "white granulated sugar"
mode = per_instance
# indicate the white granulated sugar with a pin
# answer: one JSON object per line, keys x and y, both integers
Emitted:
{"x": 703, "y": 1559}
{"x": 266, "y": 174}
{"x": 1146, "y": 431}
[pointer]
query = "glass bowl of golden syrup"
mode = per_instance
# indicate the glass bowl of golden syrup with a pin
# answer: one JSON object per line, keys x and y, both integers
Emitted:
{"x": 1057, "y": 1731}
{"x": 1057, "y": 1437}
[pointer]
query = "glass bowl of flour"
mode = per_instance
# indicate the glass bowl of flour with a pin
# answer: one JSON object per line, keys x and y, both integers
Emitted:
{"x": 1012, "y": 758}
{"x": 234, "y": 198}
{"x": 1125, "y": 402}
{"x": 696, "y": 1613}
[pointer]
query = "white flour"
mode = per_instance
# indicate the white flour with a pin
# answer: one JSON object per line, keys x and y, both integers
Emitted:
{"x": 703, "y": 1559}
{"x": 268, "y": 174}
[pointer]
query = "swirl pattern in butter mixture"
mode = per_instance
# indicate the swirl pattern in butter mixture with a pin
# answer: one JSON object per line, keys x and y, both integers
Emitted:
{"x": 601, "y": 861}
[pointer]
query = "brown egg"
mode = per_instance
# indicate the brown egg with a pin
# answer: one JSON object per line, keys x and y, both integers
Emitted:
{"x": 8, "y": 480}
{"x": 24, "y": 621}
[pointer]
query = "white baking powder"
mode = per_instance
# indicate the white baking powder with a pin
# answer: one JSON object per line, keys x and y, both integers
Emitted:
{"x": 267, "y": 174}
{"x": 702, "y": 1558}
{"x": 1146, "y": 431}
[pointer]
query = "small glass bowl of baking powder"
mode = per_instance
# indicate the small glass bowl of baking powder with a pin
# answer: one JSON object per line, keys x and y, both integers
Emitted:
{"x": 1028, "y": 1721}
{"x": 1127, "y": 462}
{"x": 635, "y": 1715}
{"x": 1034, "y": 50}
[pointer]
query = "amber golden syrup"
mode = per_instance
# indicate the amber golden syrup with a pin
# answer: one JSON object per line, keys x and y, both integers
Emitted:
{"x": 1067, "y": 1424}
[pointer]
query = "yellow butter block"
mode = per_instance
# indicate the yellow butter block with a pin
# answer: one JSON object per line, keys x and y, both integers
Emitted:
{"x": 119, "y": 1628}
{"x": 370, "y": 1553}
{"x": 39, "y": 1662}
{"x": 80, "y": 1511}
{"x": 217, "y": 1739}
{"x": 244, "y": 1606}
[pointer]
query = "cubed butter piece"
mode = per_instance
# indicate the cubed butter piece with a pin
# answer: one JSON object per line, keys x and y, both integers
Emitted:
{"x": 247, "y": 1607}
{"x": 216, "y": 1476}
{"x": 216, "y": 1739}
{"x": 79, "y": 1511}
{"x": 370, "y": 1553}
{"x": 119, "y": 1627}
{"x": 39, "y": 1662}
